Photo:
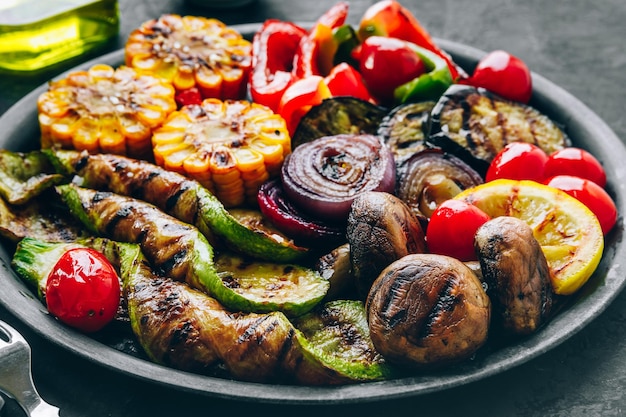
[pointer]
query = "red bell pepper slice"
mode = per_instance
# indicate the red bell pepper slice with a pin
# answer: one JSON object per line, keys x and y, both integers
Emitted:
{"x": 390, "y": 18}
{"x": 273, "y": 49}
{"x": 319, "y": 43}
{"x": 344, "y": 80}
{"x": 300, "y": 97}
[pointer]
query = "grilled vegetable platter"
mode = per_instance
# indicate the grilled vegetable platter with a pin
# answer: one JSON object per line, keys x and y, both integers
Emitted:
{"x": 274, "y": 206}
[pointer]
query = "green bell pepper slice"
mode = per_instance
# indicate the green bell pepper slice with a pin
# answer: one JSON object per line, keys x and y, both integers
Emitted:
{"x": 428, "y": 86}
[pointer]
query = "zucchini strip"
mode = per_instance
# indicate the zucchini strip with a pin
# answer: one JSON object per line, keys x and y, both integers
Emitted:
{"x": 178, "y": 196}
{"x": 178, "y": 250}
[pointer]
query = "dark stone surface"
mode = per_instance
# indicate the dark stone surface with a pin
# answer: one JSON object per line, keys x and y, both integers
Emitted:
{"x": 577, "y": 44}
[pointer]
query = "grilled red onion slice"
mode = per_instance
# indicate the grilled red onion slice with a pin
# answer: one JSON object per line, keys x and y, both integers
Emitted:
{"x": 322, "y": 177}
{"x": 285, "y": 217}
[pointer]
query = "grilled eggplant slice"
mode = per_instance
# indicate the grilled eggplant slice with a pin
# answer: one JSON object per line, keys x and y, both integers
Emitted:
{"x": 179, "y": 251}
{"x": 428, "y": 178}
{"x": 178, "y": 196}
{"x": 338, "y": 115}
{"x": 403, "y": 129}
{"x": 475, "y": 125}
{"x": 24, "y": 176}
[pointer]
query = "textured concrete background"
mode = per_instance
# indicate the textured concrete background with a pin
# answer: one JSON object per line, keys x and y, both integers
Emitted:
{"x": 577, "y": 44}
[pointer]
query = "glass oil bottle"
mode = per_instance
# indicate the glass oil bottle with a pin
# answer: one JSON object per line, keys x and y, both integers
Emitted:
{"x": 35, "y": 34}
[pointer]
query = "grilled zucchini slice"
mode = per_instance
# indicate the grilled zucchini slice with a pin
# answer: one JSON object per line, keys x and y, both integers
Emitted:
{"x": 178, "y": 250}
{"x": 337, "y": 335}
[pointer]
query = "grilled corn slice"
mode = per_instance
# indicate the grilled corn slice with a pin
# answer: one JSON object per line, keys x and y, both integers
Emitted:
{"x": 192, "y": 51}
{"x": 231, "y": 147}
{"x": 104, "y": 109}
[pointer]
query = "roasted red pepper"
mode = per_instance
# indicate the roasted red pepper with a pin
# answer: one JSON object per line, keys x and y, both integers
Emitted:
{"x": 316, "y": 51}
{"x": 274, "y": 46}
{"x": 300, "y": 97}
{"x": 344, "y": 80}
{"x": 390, "y": 18}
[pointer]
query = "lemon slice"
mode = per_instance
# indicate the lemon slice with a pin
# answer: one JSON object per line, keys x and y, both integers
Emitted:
{"x": 568, "y": 232}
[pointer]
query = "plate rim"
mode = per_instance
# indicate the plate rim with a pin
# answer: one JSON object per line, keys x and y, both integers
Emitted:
{"x": 586, "y": 305}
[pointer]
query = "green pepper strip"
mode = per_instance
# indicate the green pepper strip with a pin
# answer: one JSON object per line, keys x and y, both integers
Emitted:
{"x": 428, "y": 86}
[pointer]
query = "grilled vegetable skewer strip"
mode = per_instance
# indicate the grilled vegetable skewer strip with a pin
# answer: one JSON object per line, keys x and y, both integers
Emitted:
{"x": 177, "y": 195}
{"x": 187, "y": 329}
{"x": 178, "y": 250}
{"x": 174, "y": 248}
{"x": 25, "y": 175}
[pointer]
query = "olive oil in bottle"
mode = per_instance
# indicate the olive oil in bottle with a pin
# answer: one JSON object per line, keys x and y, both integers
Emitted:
{"x": 35, "y": 34}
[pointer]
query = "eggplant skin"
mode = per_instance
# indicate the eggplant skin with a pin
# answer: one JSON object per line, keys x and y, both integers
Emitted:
{"x": 403, "y": 129}
{"x": 338, "y": 115}
{"x": 427, "y": 311}
{"x": 475, "y": 125}
{"x": 517, "y": 274}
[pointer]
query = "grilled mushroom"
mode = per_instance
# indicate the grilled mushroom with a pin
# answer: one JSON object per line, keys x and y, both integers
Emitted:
{"x": 517, "y": 274}
{"x": 426, "y": 311}
{"x": 381, "y": 229}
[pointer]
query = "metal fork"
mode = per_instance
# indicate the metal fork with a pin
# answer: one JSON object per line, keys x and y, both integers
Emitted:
{"x": 16, "y": 379}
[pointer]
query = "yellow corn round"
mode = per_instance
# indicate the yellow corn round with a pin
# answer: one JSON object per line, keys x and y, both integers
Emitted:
{"x": 192, "y": 51}
{"x": 229, "y": 146}
{"x": 105, "y": 110}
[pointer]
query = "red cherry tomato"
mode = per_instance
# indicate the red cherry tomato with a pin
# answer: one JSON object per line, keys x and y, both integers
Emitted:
{"x": 188, "y": 97}
{"x": 387, "y": 63}
{"x": 518, "y": 161}
{"x": 452, "y": 227}
{"x": 577, "y": 162}
{"x": 83, "y": 290}
{"x": 591, "y": 195}
{"x": 503, "y": 74}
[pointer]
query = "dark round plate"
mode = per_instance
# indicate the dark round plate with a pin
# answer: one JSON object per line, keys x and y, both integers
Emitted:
{"x": 19, "y": 130}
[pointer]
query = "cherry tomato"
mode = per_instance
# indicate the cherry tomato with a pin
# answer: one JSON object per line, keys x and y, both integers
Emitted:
{"x": 344, "y": 80}
{"x": 300, "y": 97}
{"x": 518, "y": 161}
{"x": 503, "y": 74}
{"x": 387, "y": 63}
{"x": 590, "y": 194}
{"x": 188, "y": 97}
{"x": 577, "y": 162}
{"x": 83, "y": 290}
{"x": 452, "y": 227}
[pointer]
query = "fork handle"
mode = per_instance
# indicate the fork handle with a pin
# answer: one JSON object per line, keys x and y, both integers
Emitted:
{"x": 17, "y": 380}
